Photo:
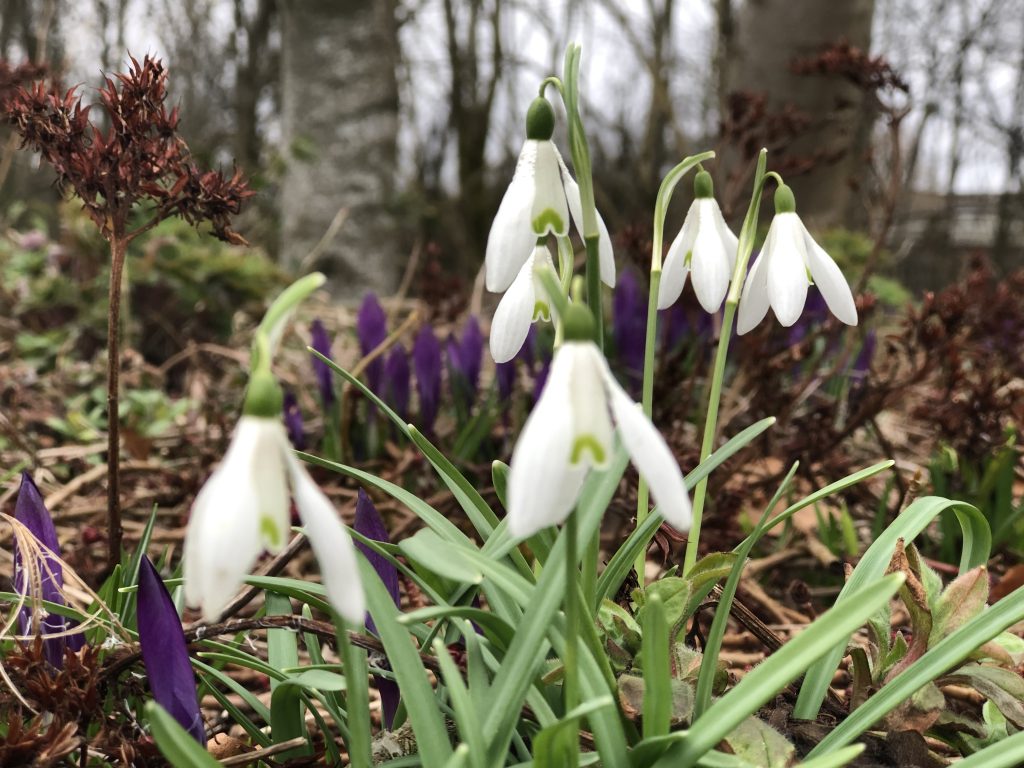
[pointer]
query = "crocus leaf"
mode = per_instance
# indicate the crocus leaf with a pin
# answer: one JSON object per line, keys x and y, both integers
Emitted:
{"x": 165, "y": 653}
{"x": 174, "y": 742}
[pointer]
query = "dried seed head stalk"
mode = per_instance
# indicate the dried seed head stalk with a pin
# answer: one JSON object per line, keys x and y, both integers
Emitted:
{"x": 133, "y": 168}
{"x": 137, "y": 160}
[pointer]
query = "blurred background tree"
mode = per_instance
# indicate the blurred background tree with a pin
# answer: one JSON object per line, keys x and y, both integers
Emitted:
{"x": 377, "y": 129}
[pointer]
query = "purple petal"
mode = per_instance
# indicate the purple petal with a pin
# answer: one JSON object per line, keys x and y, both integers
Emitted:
{"x": 397, "y": 381}
{"x": 471, "y": 353}
{"x": 293, "y": 423}
{"x": 505, "y": 375}
{"x": 862, "y": 365}
{"x": 368, "y": 522}
{"x": 527, "y": 353}
{"x": 629, "y": 324}
{"x": 321, "y": 342}
{"x": 540, "y": 381}
{"x": 31, "y": 512}
{"x": 372, "y": 330}
{"x": 165, "y": 653}
{"x": 426, "y": 360}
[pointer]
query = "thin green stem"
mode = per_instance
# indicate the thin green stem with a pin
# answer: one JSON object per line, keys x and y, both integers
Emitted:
{"x": 594, "y": 287}
{"x": 650, "y": 345}
{"x": 571, "y": 686}
{"x": 744, "y": 249}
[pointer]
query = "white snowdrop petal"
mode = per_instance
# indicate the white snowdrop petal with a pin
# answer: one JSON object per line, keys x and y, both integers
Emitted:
{"x": 754, "y": 299}
{"x": 331, "y": 544}
{"x": 605, "y": 254}
{"x": 787, "y": 270}
{"x": 651, "y": 456}
{"x": 268, "y": 478}
{"x": 549, "y": 212}
{"x": 675, "y": 268}
{"x": 830, "y": 281}
{"x": 511, "y": 237}
{"x": 710, "y": 262}
{"x": 729, "y": 240}
{"x": 591, "y": 424}
{"x": 514, "y": 315}
{"x": 540, "y": 481}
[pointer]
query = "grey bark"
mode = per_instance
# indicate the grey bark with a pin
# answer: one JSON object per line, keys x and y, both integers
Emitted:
{"x": 769, "y": 35}
{"x": 339, "y": 97}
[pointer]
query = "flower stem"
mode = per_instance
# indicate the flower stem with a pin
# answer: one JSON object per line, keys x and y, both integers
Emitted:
{"x": 650, "y": 344}
{"x": 118, "y": 250}
{"x": 572, "y": 614}
{"x": 744, "y": 249}
{"x": 594, "y": 287}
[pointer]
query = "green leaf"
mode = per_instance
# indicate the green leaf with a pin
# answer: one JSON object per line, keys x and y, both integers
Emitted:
{"x": 778, "y": 670}
{"x": 835, "y": 759}
{"x": 174, "y": 741}
{"x": 622, "y": 561}
{"x": 357, "y": 701}
{"x": 466, "y": 719}
{"x": 657, "y": 674}
{"x": 951, "y": 651}
{"x": 429, "y": 549}
{"x": 1008, "y": 753}
{"x": 558, "y": 745}
{"x": 977, "y": 544}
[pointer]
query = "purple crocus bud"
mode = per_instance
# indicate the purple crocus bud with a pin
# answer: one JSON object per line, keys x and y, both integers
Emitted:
{"x": 397, "y": 381}
{"x": 471, "y": 352}
{"x": 541, "y": 380}
{"x": 505, "y": 375}
{"x": 31, "y": 512}
{"x": 862, "y": 365}
{"x": 629, "y": 324}
{"x": 321, "y": 342}
{"x": 426, "y": 361}
{"x": 293, "y": 421}
{"x": 368, "y": 522}
{"x": 528, "y": 352}
{"x": 372, "y": 330}
{"x": 165, "y": 652}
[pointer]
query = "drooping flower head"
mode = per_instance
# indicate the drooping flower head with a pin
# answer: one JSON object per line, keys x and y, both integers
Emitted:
{"x": 571, "y": 430}
{"x": 705, "y": 247}
{"x": 524, "y": 303}
{"x": 538, "y": 202}
{"x": 165, "y": 653}
{"x": 426, "y": 361}
{"x": 790, "y": 259}
{"x": 30, "y": 511}
{"x": 372, "y": 330}
{"x": 321, "y": 342}
{"x": 244, "y": 508}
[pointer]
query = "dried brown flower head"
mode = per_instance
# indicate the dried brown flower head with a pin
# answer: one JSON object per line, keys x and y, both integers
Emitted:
{"x": 137, "y": 161}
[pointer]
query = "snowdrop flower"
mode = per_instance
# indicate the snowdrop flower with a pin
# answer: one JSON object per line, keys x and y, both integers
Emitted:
{"x": 538, "y": 202}
{"x": 704, "y": 246}
{"x": 789, "y": 261}
{"x": 525, "y": 302}
{"x": 571, "y": 430}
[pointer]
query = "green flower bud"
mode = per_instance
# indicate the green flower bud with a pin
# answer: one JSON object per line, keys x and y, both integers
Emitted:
{"x": 703, "y": 186}
{"x": 264, "y": 396}
{"x": 540, "y": 120}
{"x": 784, "y": 200}
{"x": 579, "y": 323}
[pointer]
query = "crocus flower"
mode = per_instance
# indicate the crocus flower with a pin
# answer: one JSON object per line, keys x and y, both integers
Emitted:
{"x": 704, "y": 246}
{"x": 505, "y": 377}
{"x": 321, "y": 342}
{"x": 571, "y": 429}
{"x": 372, "y": 330}
{"x": 789, "y": 260}
{"x": 629, "y": 324}
{"x": 293, "y": 421}
{"x": 538, "y": 202}
{"x": 471, "y": 352}
{"x": 524, "y": 303}
{"x": 368, "y": 522}
{"x": 244, "y": 508}
{"x": 30, "y": 511}
{"x": 165, "y": 653}
{"x": 397, "y": 381}
{"x": 426, "y": 361}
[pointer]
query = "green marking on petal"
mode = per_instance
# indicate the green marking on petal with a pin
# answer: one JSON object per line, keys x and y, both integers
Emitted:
{"x": 810, "y": 277}
{"x": 549, "y": 221}
{"x": 541, "y": 311}
{"x": 587, "y": 443}
{"x": 688, "y": 259}
{"x": 269, "y": 531}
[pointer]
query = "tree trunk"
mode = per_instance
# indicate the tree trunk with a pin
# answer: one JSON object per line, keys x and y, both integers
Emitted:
{"x": 769, "y": 35}
{"x": 339, "y": 102}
